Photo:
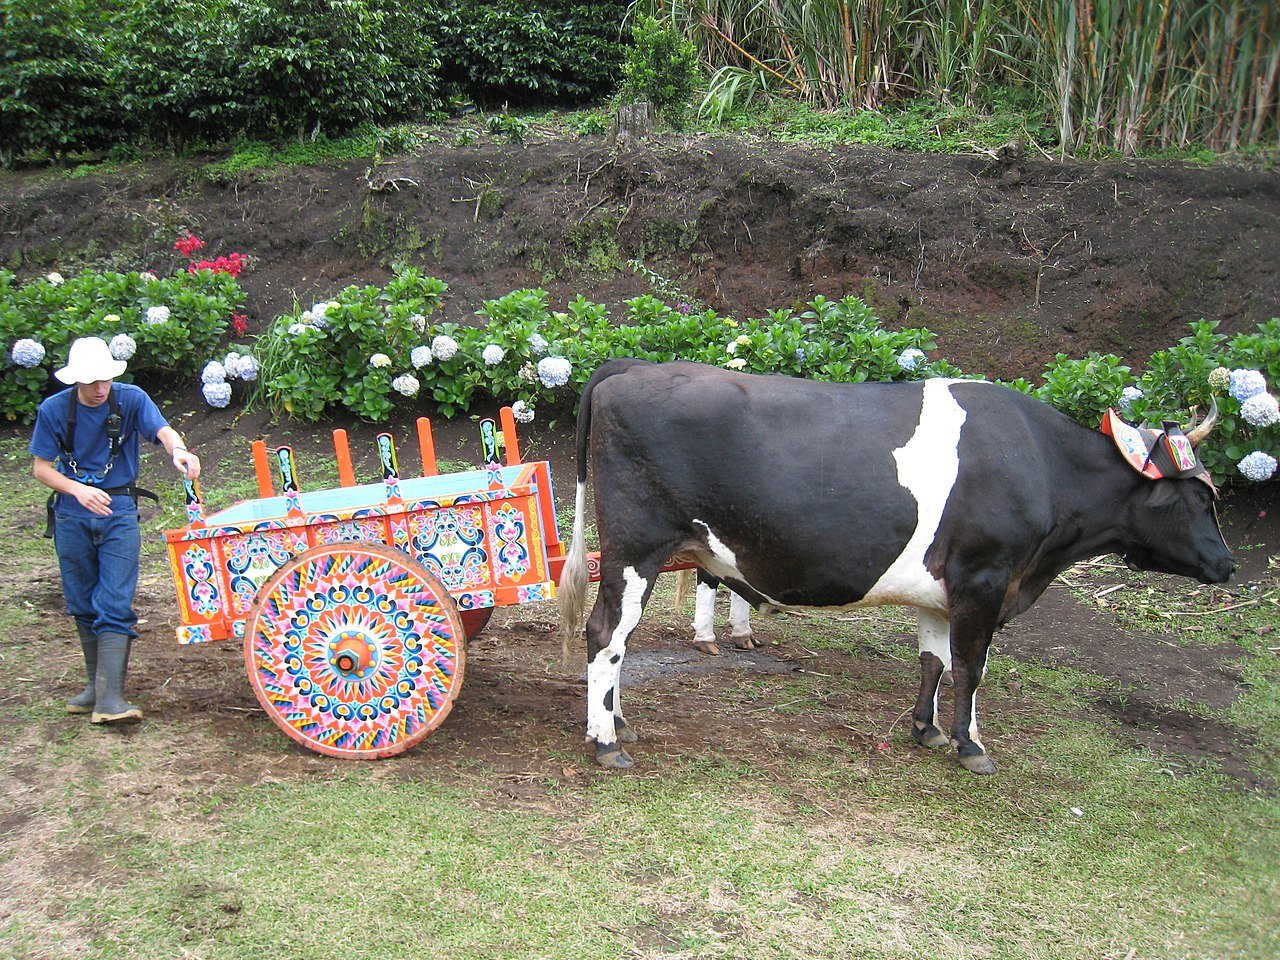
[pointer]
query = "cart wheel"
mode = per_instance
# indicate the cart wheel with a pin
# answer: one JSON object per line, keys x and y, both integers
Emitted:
{"x": 473, "y": 621}
{"x": 355, "y": 650}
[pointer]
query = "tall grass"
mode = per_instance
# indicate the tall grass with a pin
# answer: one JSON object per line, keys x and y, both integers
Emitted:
{"x": 1118, "y": 74}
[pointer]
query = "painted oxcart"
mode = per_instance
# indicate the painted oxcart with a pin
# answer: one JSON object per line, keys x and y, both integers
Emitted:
{"x": 353, "y": 603}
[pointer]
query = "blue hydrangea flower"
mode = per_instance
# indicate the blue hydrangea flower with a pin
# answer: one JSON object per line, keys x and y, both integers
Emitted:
{"x": 1260, "y": 410}
{"x": 522, "y": 412}
{"x": 493, "y": 355}
{"x": 1246, "y": 384}
{"x": 231, "y": 363}
{"x": 27, "y": 353}
{"x": 420, "y": 357}
{"x": 554, "y": 371}
{"x": 123, "y": 346}
{"x": 538, "y": 344}
{"x": 213, "y": 372}
{"x": 1127, "y": 396}
{"x": 910, "y": 358}
{"x": 217, "y": 394}
{"x": 1258, "y": 466}
{"x": 406, "y": 384}
{"x": 247, "y": 368}
{"x": 444, "y": 347}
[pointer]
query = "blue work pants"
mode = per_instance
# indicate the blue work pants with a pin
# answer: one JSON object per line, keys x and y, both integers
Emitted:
{"x": 98, "y": 557}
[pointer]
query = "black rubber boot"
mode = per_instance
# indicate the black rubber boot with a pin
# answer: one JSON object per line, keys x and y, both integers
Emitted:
{"x": 113, "y": 663}
{"x": 83, "y": 701}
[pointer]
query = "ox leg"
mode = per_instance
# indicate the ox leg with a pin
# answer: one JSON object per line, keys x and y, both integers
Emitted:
{"x": 617, "y": 610}
{"x": 934, "y": 631}
{"x": 972, "y": 623}
{"x": 704, "y": 614}
{"x": 740, "y": 623}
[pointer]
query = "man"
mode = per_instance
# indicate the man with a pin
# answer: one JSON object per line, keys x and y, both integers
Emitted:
{"x": 85, "y": 446}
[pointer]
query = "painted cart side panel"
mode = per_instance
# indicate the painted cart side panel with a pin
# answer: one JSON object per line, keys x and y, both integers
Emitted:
{"x": 487, "y": 546}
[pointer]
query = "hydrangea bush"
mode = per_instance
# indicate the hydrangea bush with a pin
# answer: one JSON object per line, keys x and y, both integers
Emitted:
{"x": 369, "y": 349}
{"x": 160, "y": 325}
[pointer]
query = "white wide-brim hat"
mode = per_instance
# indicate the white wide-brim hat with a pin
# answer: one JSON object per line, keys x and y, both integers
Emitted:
{"x": 90, "y": 359}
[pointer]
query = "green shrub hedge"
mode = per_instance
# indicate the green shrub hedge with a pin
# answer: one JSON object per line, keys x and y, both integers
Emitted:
{"x": 79, "y": 74}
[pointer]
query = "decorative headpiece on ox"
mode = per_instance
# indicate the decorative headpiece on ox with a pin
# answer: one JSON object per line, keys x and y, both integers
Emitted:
{"x": 962, "y": 499}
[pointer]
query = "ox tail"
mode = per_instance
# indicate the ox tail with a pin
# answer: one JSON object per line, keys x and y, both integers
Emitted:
{"x": 571, "y": 591}
{"x": 684, "y": 579}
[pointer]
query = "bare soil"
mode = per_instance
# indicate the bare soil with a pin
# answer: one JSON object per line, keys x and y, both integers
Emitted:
{"x": 1009, "y": 263}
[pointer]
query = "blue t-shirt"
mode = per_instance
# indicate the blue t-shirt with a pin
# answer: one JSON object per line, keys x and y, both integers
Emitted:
{"x": 139, "y": 417}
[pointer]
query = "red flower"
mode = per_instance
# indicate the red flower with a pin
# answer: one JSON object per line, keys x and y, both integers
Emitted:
{"x": 232, "y": 263}
{"x": 239, "y": 324}
{"x": 188, "y": 245}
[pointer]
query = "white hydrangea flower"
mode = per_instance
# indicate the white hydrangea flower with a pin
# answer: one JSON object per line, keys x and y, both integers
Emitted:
{"x": 231, "y": 363}
{"x": 247, "y": 368}
{"x": 406, "y": 384}
{"x": 1127, "y": 396}
{"x": 910, "y": 358}
{"x": 147, "y": 276}
{"x": 538, "y": 344}
{"x": 554, "y": 371}
{"x": 737, "y": 363}
{"x": 1258, "y": 466}
{"x": 123, "y": 346}
{"x": 27, "y": 353}
{"x": 55, "y": 278}
{"x": 217, "y": 394}
{"x": 528, "y": 373}
{"x": 418, "y": 322}
{"x": 305, "y": 317}
{"x": 157, "y": 314}
{"x": 731, "y": 348}
{"x": 444, "y": 347}
{"x": 420, "y": 357}
{"x": 522, "y": 412}
{"x": 380, "y": 360}
{"x": 1246, "y": 384}
{"x": 493, "y": 355}
{"x": 1260, "y": 410}
{"x": 213, "y": 372}
{"x": 296, "y": 329}
{"x": 1220, "y": 378}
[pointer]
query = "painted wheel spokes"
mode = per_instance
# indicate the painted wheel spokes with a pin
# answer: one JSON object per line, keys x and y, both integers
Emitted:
{"x": 355, "y": 650}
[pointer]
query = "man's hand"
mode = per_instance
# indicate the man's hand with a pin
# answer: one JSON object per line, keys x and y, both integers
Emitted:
{"x": 93, "y": 499}
{"x": 186, "y": 463}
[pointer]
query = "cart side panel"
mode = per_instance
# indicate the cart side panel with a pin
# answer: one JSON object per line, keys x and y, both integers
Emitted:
{"x": 251, "y": 555}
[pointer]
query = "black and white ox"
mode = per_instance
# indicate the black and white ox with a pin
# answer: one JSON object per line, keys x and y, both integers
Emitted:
{"x": 960, "y": 498}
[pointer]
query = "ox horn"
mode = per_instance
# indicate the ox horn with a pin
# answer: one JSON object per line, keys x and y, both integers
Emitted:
{"x": 1197, "y": 432}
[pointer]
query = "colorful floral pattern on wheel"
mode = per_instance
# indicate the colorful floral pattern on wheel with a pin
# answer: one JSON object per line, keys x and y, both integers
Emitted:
{"x": 355, "y": 650}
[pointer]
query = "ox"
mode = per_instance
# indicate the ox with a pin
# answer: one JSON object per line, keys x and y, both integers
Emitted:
{"x": 960, "y": 498}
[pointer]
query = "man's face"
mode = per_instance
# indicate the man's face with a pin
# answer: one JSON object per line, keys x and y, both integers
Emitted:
{"x": 93, "y": 394}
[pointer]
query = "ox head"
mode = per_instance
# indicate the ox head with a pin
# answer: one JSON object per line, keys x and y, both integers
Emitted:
{"x": 1173, "y": 524}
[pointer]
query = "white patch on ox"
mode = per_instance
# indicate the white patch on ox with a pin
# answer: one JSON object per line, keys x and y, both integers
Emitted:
{"x": 739, "y": 616}
{"x": 933, "y": 631}
{"x": 928, "y": 465}
{"x": 704, "y": 612}
{"x": 973, "y": 705}
{"x": 604, "y": 673}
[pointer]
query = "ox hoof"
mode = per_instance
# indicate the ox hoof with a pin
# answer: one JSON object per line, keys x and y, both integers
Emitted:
{"x": 930, "y": 737}
{"x": 978, "y": 763}
{"x": 707, "y": 646}
{"x": 626, "y": 733}
{"x": 747, "y": 641}
{"x": 612, "y": 756}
